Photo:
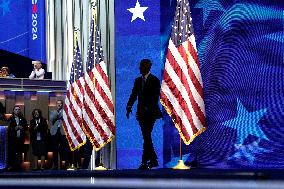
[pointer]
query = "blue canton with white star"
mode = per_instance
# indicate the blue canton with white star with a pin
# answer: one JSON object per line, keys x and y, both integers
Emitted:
{"x": 77, "y": 65}
{"x": 95, "y": 50}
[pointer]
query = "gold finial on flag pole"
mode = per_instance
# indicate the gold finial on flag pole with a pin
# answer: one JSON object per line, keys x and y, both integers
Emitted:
{"x": 180, "y": 165}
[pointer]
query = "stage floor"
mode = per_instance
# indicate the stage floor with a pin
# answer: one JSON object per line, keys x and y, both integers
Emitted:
{"x": 158, "y": 178}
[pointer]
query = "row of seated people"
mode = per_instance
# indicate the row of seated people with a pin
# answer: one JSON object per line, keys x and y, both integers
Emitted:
{"x": 42, "y": 140}
{"x": 37, "y": 73}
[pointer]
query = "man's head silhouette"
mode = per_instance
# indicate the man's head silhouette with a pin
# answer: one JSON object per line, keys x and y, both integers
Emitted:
{"x": 145, "y": 66}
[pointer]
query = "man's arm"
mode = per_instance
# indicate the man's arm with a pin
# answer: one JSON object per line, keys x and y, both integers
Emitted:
{"x": 32, "y": 75}
{"x": 43, "y": 126}
{"x": 40, "y": 73}
{"x": 132, "y": 99}
{"x": 53, "y": 117}
{"x": 25, "y": 124}
{"x": 157, "y": 88}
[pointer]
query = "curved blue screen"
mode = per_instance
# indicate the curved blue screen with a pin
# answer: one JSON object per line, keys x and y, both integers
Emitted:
{"x": 240, "y": 46}
{"x": 22, "y": 30}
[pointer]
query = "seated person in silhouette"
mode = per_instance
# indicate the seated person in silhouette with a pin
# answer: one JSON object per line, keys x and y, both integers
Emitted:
{"x": 5, "y": 73}
{"x": 147, "y": 89}
{"x": 38, "y": 72}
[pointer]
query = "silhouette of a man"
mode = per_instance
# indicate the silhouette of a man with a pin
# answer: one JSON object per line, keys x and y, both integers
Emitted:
{"x": 147, "y": 89}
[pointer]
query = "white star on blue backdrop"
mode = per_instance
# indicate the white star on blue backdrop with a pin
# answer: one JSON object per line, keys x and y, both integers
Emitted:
{"x": 137, "y": 11}
{"x": 246, "y": 123}
{"x": 248, "y": 152}
{"x": 208, "y": 6}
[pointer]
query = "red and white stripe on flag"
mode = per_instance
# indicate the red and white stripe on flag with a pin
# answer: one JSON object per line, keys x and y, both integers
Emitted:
{"x": 182, "y": 88}
{"x": 98, "y": 112}
{"x": 72, "y": 110}
{"x": 72, "y": 115}
{"x": 99, "y": 109}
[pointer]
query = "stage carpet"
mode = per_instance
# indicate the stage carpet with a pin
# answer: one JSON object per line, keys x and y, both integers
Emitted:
{"x": 158, "y": 178}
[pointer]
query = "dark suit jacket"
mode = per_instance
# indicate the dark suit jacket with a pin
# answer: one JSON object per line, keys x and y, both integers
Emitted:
{"x": 148, "y": 98}
{"x": 42, "y": 129}
{"x": 13, "y": 132}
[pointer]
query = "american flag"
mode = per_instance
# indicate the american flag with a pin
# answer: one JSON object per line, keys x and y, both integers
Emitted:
{"x": 182, "y": 88}
{"x": 98, "y": 105}
{"x": 72, "y": 111}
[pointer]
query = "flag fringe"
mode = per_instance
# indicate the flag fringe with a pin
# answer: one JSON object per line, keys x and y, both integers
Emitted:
{"x": 91, "y": 139}
{"x": 170, "y": 113}
{"x": 71, "y": 148}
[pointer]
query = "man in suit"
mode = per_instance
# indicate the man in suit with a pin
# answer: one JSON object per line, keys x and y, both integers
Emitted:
{"x": 16, "y": 138}
{"x": 58, "y": 137}
{"x": 147, "y": 89}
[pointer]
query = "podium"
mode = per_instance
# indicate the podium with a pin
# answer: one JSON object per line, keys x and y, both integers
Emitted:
{"x": 3, "y": 143}
{"x": 28, "y": 95}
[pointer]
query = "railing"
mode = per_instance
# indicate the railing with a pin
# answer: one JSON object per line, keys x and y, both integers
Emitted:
{"x": 22, "y": 84}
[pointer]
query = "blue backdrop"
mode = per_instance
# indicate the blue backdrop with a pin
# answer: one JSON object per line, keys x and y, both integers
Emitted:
{"x": 22, "y": 30}
{"x": 240, "y": 46}
{"x": 134, "y": 41}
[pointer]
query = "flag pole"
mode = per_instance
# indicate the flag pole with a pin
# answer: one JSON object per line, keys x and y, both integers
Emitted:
{"x": 72, "y": 167}
{"x": 75, "y": 35}
{"x": 101, "y": 165}
{"x": 180, "y": 165}
{"x": 94, "y": 6}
